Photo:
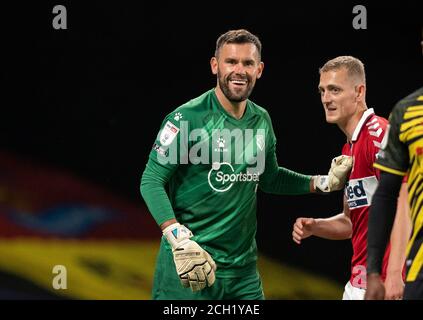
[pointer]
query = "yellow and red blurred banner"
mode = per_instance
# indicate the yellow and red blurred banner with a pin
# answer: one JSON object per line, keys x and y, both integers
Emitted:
{"x": 108, "y": 244}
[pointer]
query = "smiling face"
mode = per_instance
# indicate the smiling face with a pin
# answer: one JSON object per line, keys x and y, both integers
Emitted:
{"x": 237, "y": 67}
{"x": 342, "y": 96}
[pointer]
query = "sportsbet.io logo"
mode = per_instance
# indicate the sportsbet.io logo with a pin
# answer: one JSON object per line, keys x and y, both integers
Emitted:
{"x": 222, "y": 176}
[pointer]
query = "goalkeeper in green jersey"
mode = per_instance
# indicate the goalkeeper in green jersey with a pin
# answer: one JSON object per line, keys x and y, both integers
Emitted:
{"x": 213, "y": 152}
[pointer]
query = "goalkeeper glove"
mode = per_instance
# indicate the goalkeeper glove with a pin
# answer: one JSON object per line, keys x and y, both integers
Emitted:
{"x": 194, "y": 265}
{"x": 337, "y": 176}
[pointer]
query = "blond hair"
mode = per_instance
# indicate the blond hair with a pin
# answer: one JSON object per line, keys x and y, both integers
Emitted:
{"x": 353, "y": 65}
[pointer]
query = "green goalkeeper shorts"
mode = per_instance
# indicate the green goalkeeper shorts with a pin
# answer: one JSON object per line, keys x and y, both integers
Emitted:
{"x": 167, "y": 285}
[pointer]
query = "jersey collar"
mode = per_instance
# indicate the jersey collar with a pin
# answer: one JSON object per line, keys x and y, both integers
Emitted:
{"x": 249, "y": 109}
{"x": 366, "y": 115}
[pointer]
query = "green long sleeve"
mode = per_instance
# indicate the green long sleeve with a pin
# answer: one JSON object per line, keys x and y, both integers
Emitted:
{"x": 279, "y": 180}
{"x": 153, "y": 182}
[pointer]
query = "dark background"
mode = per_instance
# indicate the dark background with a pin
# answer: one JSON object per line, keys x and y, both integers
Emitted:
{"x": 90, "y": 99}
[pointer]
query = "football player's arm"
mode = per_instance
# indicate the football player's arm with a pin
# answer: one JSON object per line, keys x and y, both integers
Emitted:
{"x": 381, "y": 218}
{"x": 194, "y": 265}
{"x": 153, "y": 191}
{"x": 279, "y": 180}
{"x": 399, "y": 238}
{"x": 162, "y": 164}
{"x": 338, "y": 227}
{"x": 393, "y": 160}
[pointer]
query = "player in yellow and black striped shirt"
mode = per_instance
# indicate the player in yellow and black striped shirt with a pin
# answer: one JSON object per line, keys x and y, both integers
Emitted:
{"x": 400, "y": 155}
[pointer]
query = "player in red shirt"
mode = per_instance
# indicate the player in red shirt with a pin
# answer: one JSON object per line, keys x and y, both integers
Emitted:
{"x": 343, "y": 88}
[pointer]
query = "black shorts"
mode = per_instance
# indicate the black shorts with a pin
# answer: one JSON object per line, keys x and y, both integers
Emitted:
{"x": 413, "y": 290}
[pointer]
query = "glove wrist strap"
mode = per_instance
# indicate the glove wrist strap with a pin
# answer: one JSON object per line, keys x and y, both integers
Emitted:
{"x": 177, "y": 235}
{"x": 321, "y": 184}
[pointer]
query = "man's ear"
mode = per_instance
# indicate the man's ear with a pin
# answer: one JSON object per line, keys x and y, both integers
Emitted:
{"x": 260, "y": 70}
{"x": 361, "y": 92}
{"x": 214, "y": 65}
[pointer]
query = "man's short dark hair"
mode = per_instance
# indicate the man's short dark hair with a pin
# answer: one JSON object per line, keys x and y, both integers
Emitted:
{"x": 239, "y": 36}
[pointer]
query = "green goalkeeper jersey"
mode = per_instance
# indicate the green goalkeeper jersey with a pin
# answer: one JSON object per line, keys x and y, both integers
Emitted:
{"x": 213, "y": 164}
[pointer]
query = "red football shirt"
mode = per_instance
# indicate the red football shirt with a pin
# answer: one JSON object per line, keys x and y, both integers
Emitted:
{"x": 359, "y": 190}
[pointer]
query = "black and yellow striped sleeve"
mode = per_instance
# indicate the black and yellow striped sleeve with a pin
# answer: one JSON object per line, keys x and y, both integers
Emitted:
{"x": 393, "y": 156}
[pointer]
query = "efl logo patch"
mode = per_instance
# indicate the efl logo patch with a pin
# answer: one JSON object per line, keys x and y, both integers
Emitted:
{"x": 168, "y": 134}
{"x": 359, "y": 192}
